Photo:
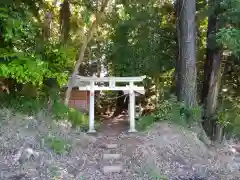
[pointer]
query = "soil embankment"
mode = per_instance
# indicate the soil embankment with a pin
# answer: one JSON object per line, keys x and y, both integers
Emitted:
{"x": 39, "y": 148}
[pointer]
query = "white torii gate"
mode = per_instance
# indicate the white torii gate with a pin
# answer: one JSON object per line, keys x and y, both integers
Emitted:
{"x": 131, "y": 88}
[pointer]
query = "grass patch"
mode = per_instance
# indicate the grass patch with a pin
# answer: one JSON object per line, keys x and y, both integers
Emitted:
{"x": 144, "y": 122}
{"x": 59, "y": 146}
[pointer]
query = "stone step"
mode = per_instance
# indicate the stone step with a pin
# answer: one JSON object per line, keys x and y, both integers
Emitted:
{"x": 111, "y": 156}
{"x": 237, "y": 159}
{"x": 237, "y": 148}
{"x": 108, "y": 146}
{"x": 111, "y": 162}
{"x": 113, "y": 169}
{"x": 111, "y": 146}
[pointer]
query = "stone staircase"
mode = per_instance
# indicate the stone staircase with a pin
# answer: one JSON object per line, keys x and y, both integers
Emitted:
{"x": 111, "y": 159}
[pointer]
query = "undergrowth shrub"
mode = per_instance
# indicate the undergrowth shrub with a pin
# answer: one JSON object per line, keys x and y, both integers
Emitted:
{"x": 228, "y": 116}
{"x": 144, "y": 122}
{"x": 23, "y": 104}
{"x": 77, "y": 118}
{"x": 171, "y": 110}
{"x": 31, "y": 106}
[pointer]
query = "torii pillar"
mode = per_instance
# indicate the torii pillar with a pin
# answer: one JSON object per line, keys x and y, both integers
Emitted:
{"x": 91, "y": 108}
{"x": 132, "y": 108}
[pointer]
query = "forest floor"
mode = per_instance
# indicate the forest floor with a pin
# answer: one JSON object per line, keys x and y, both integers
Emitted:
{"x": 29, "y": 149}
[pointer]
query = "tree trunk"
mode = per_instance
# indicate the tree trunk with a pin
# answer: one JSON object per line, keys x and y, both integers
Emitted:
{"x": 121, "y": 104}
{"x": 187, "y": 53}
{"x": 64, "y": 21}
{"x": 186, "y": 62}
{"x": 75, "y": 71}
{"x": 178, "y": 5}
{"x": 212, "y": 78}
{"x": 47, "y": 23}
{"x": 83, "y": 49}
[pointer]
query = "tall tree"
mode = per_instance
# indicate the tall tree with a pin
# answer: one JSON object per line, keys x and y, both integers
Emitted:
{"x": 178, "y": 5}
{"x": 212, "y": 73}
{"x": 186, "y": 63}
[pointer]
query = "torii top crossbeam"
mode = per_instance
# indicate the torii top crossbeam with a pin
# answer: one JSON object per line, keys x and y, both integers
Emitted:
{"x": 107, "y": 79}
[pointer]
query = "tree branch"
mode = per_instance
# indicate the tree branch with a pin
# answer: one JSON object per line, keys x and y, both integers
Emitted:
{"x": 86, "y": 40}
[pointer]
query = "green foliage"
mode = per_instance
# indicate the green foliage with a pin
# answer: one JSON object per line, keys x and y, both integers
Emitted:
{"x": 32, "y": 106}
{"x": 18, "y": 28}
{"x": 25, "y": 69}
{"x": 18, "y": 61}
{"x": 228, "y": 116}
{"x": 144, "y": 122}
{"x": 24, "y": 55}
{"x": 142, "y": 41}
{"x": 77, "y": 118}
{"x": 59, "y": 56}
{"x": 230, "y": 38}
{"x": 171, "y": 110}
{"x": 23, "y": 104}
{"x": 59, "y": 146}
{"x": 229, "y": 34}
{"x": 19, "y": 54}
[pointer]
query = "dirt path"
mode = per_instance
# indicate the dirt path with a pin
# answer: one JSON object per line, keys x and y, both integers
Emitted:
{"x": 111, "y": 155}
